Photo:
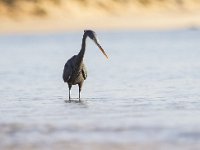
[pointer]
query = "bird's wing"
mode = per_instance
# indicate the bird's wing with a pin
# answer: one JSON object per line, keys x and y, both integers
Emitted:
{"x": 84, "y": 72}
{"x": 67, "y": 72}
{"x": 68, "y": 69}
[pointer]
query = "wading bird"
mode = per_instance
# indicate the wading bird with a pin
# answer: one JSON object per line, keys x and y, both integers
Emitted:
{"x": 74, "y": 70}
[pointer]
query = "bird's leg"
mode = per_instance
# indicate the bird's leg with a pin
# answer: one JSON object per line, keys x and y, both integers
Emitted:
{"x": 80, "y": 86}
{"x": 79, "y": 94}
{"x": 70, "y": 86}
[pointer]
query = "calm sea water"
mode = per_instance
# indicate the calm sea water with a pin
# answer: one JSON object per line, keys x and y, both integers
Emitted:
{"x": 147, "y": 92}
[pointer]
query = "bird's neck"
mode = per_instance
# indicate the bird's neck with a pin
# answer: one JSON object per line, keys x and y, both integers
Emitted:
{"x": 83, "y": 46}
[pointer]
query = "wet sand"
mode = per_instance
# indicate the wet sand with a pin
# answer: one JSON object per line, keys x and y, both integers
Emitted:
{"x": 10, "y": 131}
{"x": 63, "y": 145}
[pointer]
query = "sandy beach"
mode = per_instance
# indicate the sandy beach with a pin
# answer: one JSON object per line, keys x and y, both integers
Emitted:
{"x": 47, "y": 16}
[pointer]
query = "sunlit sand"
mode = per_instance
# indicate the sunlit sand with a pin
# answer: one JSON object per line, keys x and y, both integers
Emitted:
{"x": 47, "y": 16}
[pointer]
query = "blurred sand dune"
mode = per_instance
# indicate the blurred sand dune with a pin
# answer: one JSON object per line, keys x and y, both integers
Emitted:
{"x": 61, "y": 15}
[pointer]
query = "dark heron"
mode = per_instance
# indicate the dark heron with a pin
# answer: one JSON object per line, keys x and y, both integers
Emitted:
{"x": 74, "y": 70}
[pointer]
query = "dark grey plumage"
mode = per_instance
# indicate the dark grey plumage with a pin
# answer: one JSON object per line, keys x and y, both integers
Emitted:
{"x": 74, "y": 70}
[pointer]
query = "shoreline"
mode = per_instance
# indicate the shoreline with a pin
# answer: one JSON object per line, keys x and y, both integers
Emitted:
{"x": 126, "y": 23}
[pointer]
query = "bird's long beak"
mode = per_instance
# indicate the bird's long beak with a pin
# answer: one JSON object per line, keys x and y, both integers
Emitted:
{"x": 102, "y": 50}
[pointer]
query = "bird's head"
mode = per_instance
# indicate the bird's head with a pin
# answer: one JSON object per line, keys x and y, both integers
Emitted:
{"x": 92, "y": 35}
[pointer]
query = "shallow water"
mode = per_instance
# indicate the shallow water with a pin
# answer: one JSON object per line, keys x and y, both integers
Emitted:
{"x": 147, "y": 92}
